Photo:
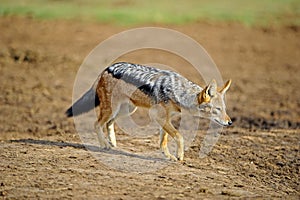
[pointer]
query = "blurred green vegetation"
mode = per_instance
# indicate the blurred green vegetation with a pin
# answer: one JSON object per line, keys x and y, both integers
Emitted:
{"x": 130, "y": 12}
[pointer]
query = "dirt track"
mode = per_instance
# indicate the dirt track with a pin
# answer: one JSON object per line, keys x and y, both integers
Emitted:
{"x": 42, "y": 155}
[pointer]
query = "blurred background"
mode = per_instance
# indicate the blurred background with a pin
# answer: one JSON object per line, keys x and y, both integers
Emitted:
{"x": 128, "y": 12}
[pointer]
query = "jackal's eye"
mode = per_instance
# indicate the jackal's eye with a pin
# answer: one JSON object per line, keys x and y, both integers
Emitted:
{"x": 216, "y": 110}
{"x": 205, "y": 108}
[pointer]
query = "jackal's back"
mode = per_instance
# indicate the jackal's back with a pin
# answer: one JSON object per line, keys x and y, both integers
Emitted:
{"x": 159, "y": 85}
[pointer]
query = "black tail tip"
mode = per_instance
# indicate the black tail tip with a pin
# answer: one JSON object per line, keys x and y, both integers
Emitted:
{"x": 69, "y": 112}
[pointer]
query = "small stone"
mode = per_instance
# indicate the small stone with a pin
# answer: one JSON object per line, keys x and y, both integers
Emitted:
{"x": 203, "y": 190}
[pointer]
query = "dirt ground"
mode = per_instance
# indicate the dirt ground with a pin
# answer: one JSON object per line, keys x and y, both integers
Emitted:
{"x": 42, "y": 155}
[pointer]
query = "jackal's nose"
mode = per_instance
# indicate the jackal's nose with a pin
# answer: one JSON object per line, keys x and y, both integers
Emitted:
{"x": 229, "y": 123}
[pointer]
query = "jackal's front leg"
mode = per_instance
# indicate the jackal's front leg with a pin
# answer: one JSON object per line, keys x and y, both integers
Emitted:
{"x": 169, "y": 129}
{"x": 164, "y": 145}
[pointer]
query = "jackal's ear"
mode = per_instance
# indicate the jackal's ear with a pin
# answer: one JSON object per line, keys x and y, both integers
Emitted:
{"x": 209, "y": 91}
{"x": 225, "y": 87}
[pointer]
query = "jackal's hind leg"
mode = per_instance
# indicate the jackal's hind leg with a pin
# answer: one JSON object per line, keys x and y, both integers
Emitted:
{"x": 124, "y": 110}
{"x": 111, "y": 133}
{"x": 164, "y": 145}
{"x": 101, "y": 138}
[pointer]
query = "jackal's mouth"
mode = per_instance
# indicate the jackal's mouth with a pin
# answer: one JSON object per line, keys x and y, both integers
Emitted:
{"x": 223, "y": 123}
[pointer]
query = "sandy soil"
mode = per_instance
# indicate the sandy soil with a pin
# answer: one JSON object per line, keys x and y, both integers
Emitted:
{"x": 42, "y": 155}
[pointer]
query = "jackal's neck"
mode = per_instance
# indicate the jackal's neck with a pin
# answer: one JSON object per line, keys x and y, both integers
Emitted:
{"x": 186, "y": 95}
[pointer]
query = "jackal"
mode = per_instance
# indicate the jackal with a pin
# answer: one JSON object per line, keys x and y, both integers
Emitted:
{"x": 135, "y": 85}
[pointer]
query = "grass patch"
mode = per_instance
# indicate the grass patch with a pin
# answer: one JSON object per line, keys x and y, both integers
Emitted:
{"x": 128, "y": 12}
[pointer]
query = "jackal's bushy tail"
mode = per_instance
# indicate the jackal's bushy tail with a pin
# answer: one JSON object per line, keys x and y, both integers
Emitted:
{"x": 85, "y": 103}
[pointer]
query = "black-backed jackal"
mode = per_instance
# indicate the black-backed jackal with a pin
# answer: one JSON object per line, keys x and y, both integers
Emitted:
{"x": 123, "y": 84}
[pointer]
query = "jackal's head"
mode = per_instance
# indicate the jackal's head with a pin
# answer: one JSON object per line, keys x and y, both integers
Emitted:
{"x": 212, "y": 103}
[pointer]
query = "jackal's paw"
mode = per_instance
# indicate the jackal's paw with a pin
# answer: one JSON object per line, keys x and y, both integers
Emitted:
{"x": 105, "y": 145}
{"x": 112, "y": 144}
{"x": 171, "y": 157}
{"x": 180, "y": 157}
{"x": 105, "y": 148}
